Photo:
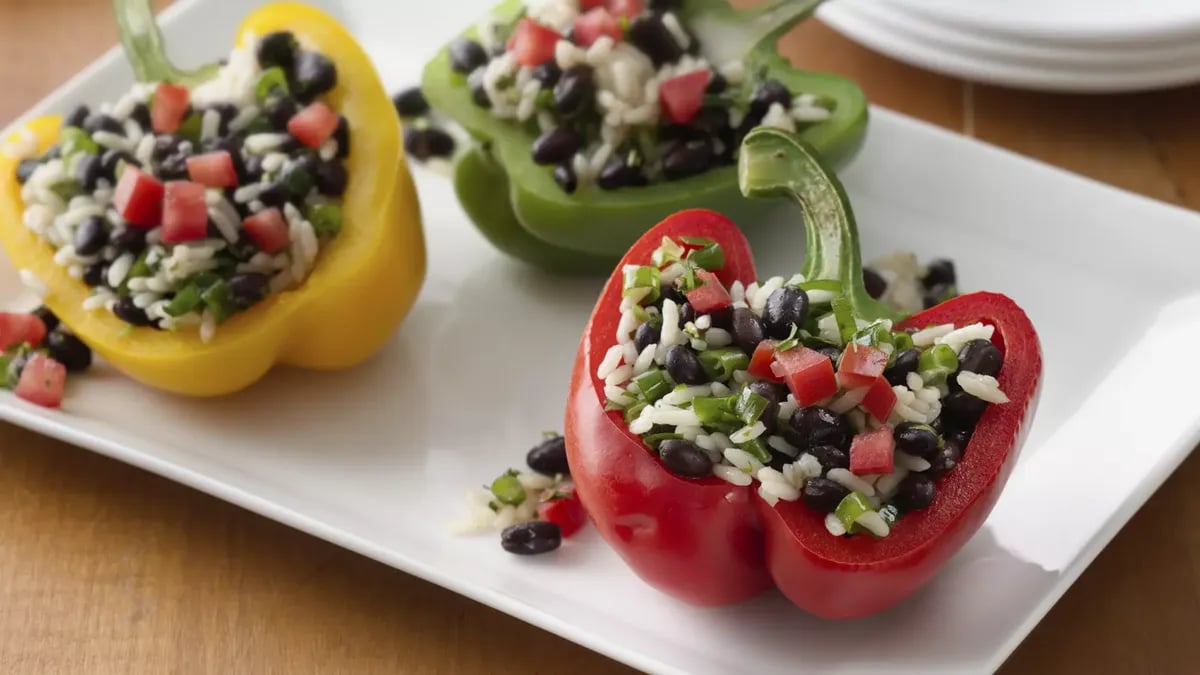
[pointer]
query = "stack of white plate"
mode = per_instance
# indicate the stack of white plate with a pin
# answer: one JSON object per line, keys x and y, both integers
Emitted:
{"x": 1062, "y": 45}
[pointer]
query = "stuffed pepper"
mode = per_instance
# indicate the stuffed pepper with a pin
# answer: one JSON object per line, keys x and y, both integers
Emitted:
{"x": 208, "y": 224}
{"x": 593, "y": 118}
{"x": 727, "y": 433}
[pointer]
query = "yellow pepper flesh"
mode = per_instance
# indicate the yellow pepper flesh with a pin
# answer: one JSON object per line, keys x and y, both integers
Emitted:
{"x": 364, "y": 283}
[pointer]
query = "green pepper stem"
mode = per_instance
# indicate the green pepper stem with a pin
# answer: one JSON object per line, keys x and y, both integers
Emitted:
{"x": 732, "y": 34}
{"x": 775, "y": 163}
{"x": 144, "y": 46}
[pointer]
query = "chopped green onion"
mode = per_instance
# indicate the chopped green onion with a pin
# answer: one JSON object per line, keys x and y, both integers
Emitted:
{"x": 688, "y": 281}
{"x": 790, "y": 343}
{"x": 218, "y": 299}
{"x": 632, "y": 412}
{"x": 186, "y": 300}
{"x": 644, "y": 277}
{"x": 653, "y": 440}
{"x": 296, "y": 179}
{"x": 714, "y": 411}
{"x": 850, "y": 509}
{"x": 711, "y": 257}
{"x": 937, "y": 364}
{"x": 757, "y": 448}
{"x": 903, "y": 341}
{"x": 843, "y": 313}
{"x": 75, "y": 141}
{"x": 667, "y": 253}
{"x": 326, "y": 219}
{"x": 750, "y": 406}
{"x": 140, "y": 268}
{"x": 5, "y": 362}
{"x": 508, "y": 489}
{"x": 259, "y": 125}
{"x": 190, "y": 127}
{"x": 67, "y": 189}
{"x": 641, "y": 314}
{"x": 653, "y": 385}
{"x": 545, "y": 99}
{"x": 271, "y": 81}
{"x": 719, "y": 364}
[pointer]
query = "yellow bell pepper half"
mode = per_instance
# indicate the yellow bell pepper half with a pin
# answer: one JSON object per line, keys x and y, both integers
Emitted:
{"x": 364, "y": 282}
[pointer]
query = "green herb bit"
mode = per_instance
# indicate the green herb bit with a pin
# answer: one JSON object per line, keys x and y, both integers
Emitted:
{"x": 140, "y": 268}
{"x": 719, "y": 364}
{"x": 644, "y": 277}
{"x": 750, "y": 406}
{"x": 218, "y": 299}
{"x": 326, "y": 219}
{"x": 902, "y": 341}
{"x": 272, "y": 81}
{"x": 67, "y": 189}
{"x": 843, "y": 313}
{"x": 758, "y": 449}
{"x": 259, "y": 125}
{"x": 653, "y": 384}
{"x": 936, "y": 364}
{"x": 654, "y": 440}
{"x": 711, "y": 257}
{"x": 191, "y": 126}
{"x": 790, "y": 343}
{"x": 508, "y": 488}
{"x": 76, "y": 141}
{"x": 850, "y": 509}
{"x": 878, "y": 334}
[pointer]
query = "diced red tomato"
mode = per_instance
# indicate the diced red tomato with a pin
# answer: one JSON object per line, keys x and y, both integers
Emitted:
{"x": 214, "y": 169}
{"x": 710, "y": 295}
{"x": 138, "y": 198}
{"x": 594, "y": 24}
{"x": 627, "y": 9}
{"x": 16, "y": 329}
{"x": 167, "y": 109}
{"x": 313, "y": 125}
{"x": 808, "y": 374}
{"x": 531, "y": 43}
{"x": 268, "y": 229}
{"x": 566, "y": 512}
{"x": 42, "y": 381}
{"x": 682, "y": 97}
{"x": 880, "y": 400}
{"x": 185, "y": 215}
{"x": 873, "y": 452}
{"x": 760, "y": 363}
{"x": 860, "y": 365}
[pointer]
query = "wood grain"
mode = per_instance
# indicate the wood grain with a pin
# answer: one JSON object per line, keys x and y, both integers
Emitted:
{"x": 107, "y": 569}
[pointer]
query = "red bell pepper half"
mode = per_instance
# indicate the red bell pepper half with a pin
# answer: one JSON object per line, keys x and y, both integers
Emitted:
{"x": 708, "y": 542}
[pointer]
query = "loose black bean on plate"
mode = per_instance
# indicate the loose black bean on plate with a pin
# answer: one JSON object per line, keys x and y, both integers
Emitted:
{"x": 574, "y": 90}
{"x": 650, "y": 35}
{"x": 685, "y": 458}
{"x": 875, "y": 283}
{"x": 410, "y": 102}
{"x": 549, "y": 457}
{"x": 314, "y": 75}
{"x": 766, "y": 93}
{"x": 531, "y": 538}
{"x": 917, "y": 439}
{"x": 427, "y": 143}
{"x": 830, "y": 457}
{"x": 49, "y": 319}
{"x": 466, "y": 55}
{"x": 77, "y": 117}
{"x": 564, "y": 175}
{"x": 823, "y": 495}
{"x": 69, "y": 351}
{"x": 684, "y": 366}
{"x": 747, "y": 330}
{"x": 916, "y": 492}
{"x": 980, "y": 356}
{"x": 91, "y": 236}
{"x": 811, "y": 426}
{"x": 277, "y": 49}
{"x": 556, "y": 146}
{"x": 786, "y": 308}
{"x": 906, "y": 362}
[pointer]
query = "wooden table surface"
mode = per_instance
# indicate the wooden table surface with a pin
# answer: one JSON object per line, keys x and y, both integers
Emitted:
{"x": 108, "y": 569}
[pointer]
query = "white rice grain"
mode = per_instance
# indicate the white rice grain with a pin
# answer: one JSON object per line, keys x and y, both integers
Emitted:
{"x": 887, "y": 485}
{"x": 261, "y": 143}
{"x": 910, "y": 462}
{"x": 619, "y": 375}
{"x": 984, "y": 387}
{"x": 675, "y": 417}
{"x": 958, "y": 338}
{"x": 748, "y": 433}
{"x": 928, "y": 336}
{"x": 732, "y": 474}
{"x": 718, "y": 337}
{"x": 873, "y": 523}
{"x": 834, "y": 526}
{"x": 779, "y": 444}
{"x": 850, "y": 481}
{"x": 644, "y": 360}
{"x": 742, "y": 460}
{"x": 119, "y": 269}
{"x": 208, "y": 327}
{"x": 681, "y": 36}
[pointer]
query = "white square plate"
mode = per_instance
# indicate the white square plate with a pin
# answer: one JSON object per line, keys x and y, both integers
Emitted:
{"x": 376, "y": 460}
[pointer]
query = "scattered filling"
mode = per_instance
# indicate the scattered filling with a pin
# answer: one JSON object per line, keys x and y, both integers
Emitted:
{"x": 533, "y": 510}
{"x": 36, "y": 353}
{"x": 426, "y": 135}
{"x": 781, "y": 383}
{"x": 617, "y": 92}
{"x": 181, "y": 208}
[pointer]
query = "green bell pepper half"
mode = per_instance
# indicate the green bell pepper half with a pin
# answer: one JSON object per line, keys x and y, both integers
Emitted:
{"x": 549, "y": 228}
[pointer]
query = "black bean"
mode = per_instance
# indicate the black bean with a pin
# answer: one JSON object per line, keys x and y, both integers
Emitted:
{"x": 938, "y": 294}
{"x": 916, "y": 439}
{"x": 173, "y": 167}
{"x": 54, "y": 152}
{"x": 959, "y": 436}
{"x": 916, "y": 492}
{"x": 962, "y": 410}
{"x": 298, "y": 176}
{"x": 279, "y": 109}
{"x": 478, "y": 92}
{"x": 69, "y": 351}
{"x": 314, "y": 75}
{"x": 687, "y": 314}
{"x": 574, "y": 91}
{"x": 980, "y": 356}
{"x": 645, "y": 335}
{"x": 273, "y": 195}
{"x": 564, "y": 175}
{"x": 673, "y": 294}
{"x": 906, "y": 362}
{"x": 277, "y": 49}
{"x": 683, "y": 365}
{"x": 165, "y": 145}
{"x": 766, "y": 93}
{"x": 722, "y": 318}
{"x": 786, "y": 308}
{"x": 747, "y": 330}
{"x": 253, "y": 169}
{"x": 77, "y": 117}
{"x": 88, "y": 172}
{"x": 410, "y": 102}
{"x": 556, "y": 146}
{"x": 831, "y": 353}
{"x": 247, "y": 289}
{"x": 687, "y": 159}
{"x": 531, "y": 538}
{"x": 650, "y": 35}
{"x": 617, "y": 174}
{"x": 665, "y": 5}
{"x": 331, "y": 178}
{"x": 876, "y": 284}
{"x": 130, "y": 240}
{"x": 830, "y": 457}
{"x": 823, "y": 495}
{"x": 716, "y": 84}
{"x": 95, "y": 274}
{"x": 225, "y": 114}
{"x": 130, "y": 313}
{"x": 427, "y": 143}
{"x": 91, "y": 236}
{"x": 141, "y": 115}
{"x": 48, "y": 317}
{"x": 341, "y": 135}
{"x": 548, "y": 74}
{"x": 109, "y": 160}
{"x": 811, "y": 426}
{"x": 685, "y": 458}
{"x": 940, "y": 271}
{"x": 549, "y": 457}
{"x": 773, "y": 394}
{"x": 102, "y": 122}
{"x": 25, "y": 169}
{"x": 233, "y": 146}
{"x": 466, "y": 55}
{"x": 947, "y": 458}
